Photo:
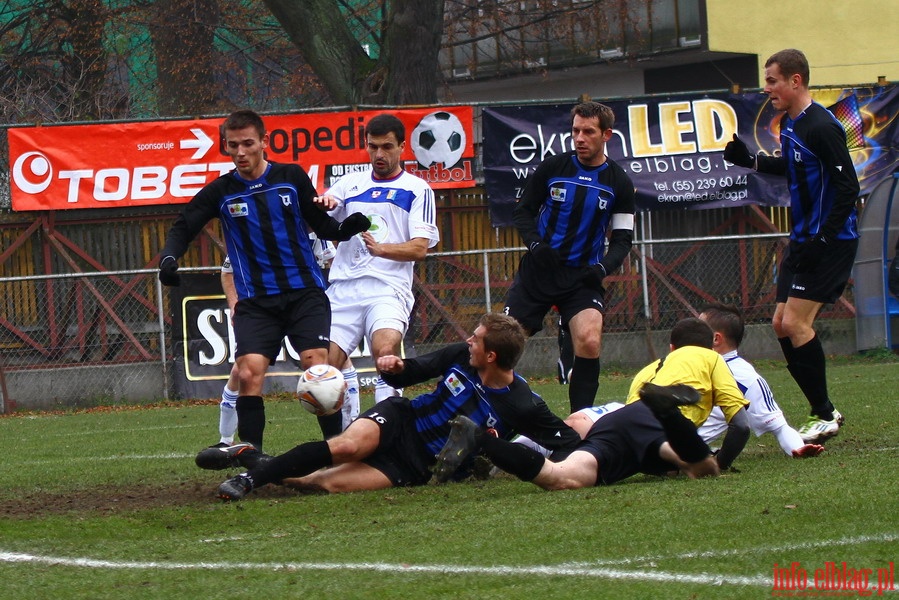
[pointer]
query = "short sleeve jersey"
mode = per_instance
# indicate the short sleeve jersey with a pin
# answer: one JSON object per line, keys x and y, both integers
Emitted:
{"x": 400, "y": 209}
{"x": 700, "y": 368}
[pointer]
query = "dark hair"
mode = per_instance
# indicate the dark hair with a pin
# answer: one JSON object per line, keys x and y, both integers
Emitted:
{"x": 386, "y": 123}
{"x": 504, "y": 336}
{"x": 240, "y": 119}
{"x": 791, "y": 62}
{"x": 692, "y": 332}
{"x": 727, "y": 320}
{"x": 590, "y": 109}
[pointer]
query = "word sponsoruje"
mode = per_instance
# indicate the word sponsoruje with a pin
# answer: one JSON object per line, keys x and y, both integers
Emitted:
{"x": 832, "y": 580}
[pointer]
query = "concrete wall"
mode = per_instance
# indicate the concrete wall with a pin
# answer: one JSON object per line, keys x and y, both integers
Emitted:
{"x": 632, "y": 350}
{"x": 38, "y": 389}
{"x": 845, "y": 42}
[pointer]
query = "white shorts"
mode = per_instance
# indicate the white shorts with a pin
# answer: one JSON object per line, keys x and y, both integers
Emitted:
{"x": 762, "y": 419}
{"x": 359, "y": 307}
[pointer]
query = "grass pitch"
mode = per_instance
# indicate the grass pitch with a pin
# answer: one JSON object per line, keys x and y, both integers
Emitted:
{"x": 108, "y": 503}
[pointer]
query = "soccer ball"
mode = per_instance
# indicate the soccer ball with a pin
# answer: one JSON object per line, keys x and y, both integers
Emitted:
{"x": 438, "y": 138}
{"x": 321, "y": 390}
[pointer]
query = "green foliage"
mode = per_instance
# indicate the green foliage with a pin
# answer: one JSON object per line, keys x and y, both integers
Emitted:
{"x": 120, "y": 486}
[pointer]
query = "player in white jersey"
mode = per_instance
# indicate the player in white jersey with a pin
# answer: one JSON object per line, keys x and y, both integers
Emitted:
{"x": 370, "y": 282}
{"x": 765, "y": 415}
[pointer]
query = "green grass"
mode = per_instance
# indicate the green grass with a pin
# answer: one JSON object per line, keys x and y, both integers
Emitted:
{"x": 107, "y": 504}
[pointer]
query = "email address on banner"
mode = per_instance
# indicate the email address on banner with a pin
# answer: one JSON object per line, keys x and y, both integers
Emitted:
{"x": 711, "y": 195}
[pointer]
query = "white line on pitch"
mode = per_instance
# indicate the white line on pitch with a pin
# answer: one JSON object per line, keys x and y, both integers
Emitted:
{"x": 705, "y": 554}
{"x": 544, "y": 570}
{"x": 592, "y": 569}
{"x": 76, "y": 458}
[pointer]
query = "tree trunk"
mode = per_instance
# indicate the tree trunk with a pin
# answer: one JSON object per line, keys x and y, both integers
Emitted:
{"x": 183, "y": 36}
{"x": 411, "y": 51}
{"x": 407, "y": 70}
{"x": 85, "y": 67}
{"x": 319, "y": 30}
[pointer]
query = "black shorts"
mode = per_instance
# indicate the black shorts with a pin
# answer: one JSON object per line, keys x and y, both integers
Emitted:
{"x": 401, "y": 454}
{"x": 826, "y": 282}
{"x": 302, "y": 316}
{"x": 626, "y": 442}
{"x": 535, "y": 290}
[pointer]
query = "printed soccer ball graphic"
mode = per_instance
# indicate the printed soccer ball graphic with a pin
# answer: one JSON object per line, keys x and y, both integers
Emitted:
{"x": 438, "y": 138}
{"x": 321, "y": 390}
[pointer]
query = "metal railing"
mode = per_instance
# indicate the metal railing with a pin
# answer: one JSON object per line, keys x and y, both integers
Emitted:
{"x": 110, "y": 320}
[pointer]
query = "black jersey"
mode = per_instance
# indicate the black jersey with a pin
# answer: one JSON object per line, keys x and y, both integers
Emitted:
{"x": 570, "y": 206}
{"x": 508, "y": 411}
{"x": 266, "y": 224}
{"x": 822, "y": 179}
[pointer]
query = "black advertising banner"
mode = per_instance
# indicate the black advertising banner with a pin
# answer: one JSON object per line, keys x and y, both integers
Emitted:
{"x": 672, "y": 147}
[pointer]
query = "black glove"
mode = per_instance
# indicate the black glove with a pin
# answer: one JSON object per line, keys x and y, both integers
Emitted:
{"x": 809, "y": 254}
{"x": 737, "y": 153}
{"x": 544, "y": 255}
{"x": 593, "y": 276}
{"x": 353, "y": 224}
{"x": 168, "y": 271}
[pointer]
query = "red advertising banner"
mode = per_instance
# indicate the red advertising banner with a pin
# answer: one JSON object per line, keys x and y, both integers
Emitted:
{"x": 166, "y": 162}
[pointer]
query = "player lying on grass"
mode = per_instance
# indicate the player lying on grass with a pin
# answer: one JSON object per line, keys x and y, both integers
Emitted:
{"x": 764, "y": 415}
{"x": 655, "y": 433}
{"x": 649, "y": 436}
{"x": 395, "y": 443}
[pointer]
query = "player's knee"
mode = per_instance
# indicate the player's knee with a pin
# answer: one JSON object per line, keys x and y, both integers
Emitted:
{"x": 343, "y": 448}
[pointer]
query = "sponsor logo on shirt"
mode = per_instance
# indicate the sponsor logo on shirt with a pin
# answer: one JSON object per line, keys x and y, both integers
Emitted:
{"x": 239, "y": 209}
{"x": 557, "y": 194}
{"x": 454, "y": 384}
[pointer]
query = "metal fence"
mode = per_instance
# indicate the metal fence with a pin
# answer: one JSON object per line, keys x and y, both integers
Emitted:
{"x": 89, "y": 338}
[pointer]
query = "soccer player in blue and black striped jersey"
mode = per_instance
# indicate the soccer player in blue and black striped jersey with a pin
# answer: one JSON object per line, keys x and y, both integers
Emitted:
{"x": 266, "y": 210}
{"x": 824, "y": 233}
{"x": 396, "y": 442}
{"x": 568, "y": 207}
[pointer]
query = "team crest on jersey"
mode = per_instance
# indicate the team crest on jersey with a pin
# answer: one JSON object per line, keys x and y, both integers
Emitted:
{"x": 604, "y": 199}
{"x": 454, "y": 384}
{"x": 557, "y": 194}
{"x": 376, "y": 193}
{"x": 285, "y": 199}
{"x": 239, "y": 209}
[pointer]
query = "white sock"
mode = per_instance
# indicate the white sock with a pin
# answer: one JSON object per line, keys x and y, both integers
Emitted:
{"x": 351, "y": 404}
{"x": 384, "y": 391}
{"x": 526, "y": 441}
{"x": 789, "y": 439}
{"x": 228, "y": 416}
